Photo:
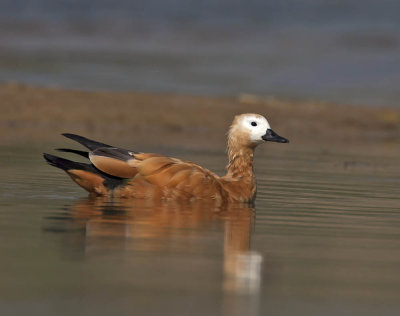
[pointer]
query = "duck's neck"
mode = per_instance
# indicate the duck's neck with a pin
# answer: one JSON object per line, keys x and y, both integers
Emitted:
{"x": 240, "y": 162}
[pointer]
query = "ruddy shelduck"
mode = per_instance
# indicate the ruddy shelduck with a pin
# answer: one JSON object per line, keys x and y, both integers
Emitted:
{"x": 129, "y": 174}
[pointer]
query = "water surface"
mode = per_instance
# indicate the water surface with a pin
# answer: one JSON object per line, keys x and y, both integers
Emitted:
{"x": 323, "y": 239}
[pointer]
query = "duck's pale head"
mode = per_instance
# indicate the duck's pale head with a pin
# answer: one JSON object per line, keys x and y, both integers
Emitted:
{"x": 250, "y": 129}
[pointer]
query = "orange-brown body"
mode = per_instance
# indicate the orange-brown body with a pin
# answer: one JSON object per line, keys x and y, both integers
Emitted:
{"x": 173, "y": 179}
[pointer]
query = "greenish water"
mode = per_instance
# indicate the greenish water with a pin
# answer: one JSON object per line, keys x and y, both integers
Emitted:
{"x": 323, "y": 239}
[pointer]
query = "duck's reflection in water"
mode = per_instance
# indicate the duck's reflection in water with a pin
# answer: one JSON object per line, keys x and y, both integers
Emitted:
{"x": 198, "y": 229}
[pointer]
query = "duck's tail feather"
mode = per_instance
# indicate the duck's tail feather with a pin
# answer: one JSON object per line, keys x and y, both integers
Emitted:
{"x": 88, "y": 143}
{"x": 66, "y": 164}
{"x": 86, "y": 175}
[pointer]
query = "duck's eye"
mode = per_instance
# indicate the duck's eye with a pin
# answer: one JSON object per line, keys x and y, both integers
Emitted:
{"x": 253, "y": 124}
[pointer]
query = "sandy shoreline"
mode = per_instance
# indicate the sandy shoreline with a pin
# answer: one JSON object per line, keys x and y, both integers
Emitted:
{"x": 38, "y": 115}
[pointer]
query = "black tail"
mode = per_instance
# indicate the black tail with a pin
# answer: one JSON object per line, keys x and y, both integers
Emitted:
{"x": 88, "y": 143}
{"x": 66, "y": 164}
{"x": 110, "y": 182}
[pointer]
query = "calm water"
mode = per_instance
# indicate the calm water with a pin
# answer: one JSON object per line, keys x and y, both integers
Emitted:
{"x": 323, "y": 239}
{"x": 342, "y": 50}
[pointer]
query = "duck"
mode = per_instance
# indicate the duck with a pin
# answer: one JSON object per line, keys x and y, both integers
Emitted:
{"x": 124, "y": 173}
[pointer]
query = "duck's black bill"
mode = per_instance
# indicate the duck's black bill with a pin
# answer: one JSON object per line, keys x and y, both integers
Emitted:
{"x": 271, "y": 136}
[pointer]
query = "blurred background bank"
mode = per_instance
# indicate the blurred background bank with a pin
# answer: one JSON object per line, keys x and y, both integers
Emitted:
{"x": 344, "y": 51}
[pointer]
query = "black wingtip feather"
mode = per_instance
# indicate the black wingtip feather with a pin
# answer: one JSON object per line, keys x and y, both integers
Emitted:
{"x": 88, "y": 143}
{"x": 51, "y": 159}
{"x": 65, "y": 164}
{"x": 111, "y": 182}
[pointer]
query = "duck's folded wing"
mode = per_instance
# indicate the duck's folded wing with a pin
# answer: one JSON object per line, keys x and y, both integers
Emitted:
{"x": 174, "y": 176}
{"x": 178, "y": 176}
